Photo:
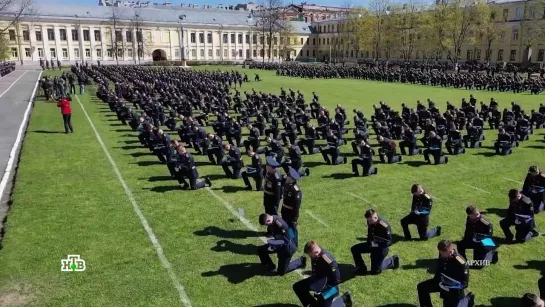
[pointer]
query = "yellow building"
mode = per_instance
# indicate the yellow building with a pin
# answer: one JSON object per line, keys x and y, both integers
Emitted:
{"x": 91, "y": 33}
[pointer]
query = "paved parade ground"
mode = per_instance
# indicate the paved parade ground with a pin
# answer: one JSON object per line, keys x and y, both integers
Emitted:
{"x": 98, "y": 194}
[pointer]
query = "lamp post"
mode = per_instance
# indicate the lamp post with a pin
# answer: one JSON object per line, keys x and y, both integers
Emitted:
{"x": 182, "y": 42}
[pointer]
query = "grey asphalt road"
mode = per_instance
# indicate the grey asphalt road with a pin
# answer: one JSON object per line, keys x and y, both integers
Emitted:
{"x": 15, "y": 92}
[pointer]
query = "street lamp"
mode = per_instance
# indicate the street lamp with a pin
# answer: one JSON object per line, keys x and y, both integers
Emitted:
{"x": 182, "y": 42}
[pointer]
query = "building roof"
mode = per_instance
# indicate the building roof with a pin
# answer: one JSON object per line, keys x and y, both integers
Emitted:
{"x": 166, "y": 14}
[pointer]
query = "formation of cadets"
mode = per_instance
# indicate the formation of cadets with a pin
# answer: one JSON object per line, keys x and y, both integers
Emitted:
{"x": 50, "y": 64}
{"x": 186, "y": 102}
{"x": 415, "y": 74}
{"x": 6, "y": 68}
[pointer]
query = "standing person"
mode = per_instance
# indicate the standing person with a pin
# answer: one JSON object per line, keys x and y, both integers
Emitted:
{"x": 66, "y": 112}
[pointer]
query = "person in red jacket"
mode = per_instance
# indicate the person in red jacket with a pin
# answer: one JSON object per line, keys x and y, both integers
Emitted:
{"x": 66, "y": 111}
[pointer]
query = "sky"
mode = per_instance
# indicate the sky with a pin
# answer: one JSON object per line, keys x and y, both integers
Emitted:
{"x": 215, "y": 2}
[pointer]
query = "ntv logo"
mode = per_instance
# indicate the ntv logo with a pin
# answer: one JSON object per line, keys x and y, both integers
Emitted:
{"x": 73, "y": 263}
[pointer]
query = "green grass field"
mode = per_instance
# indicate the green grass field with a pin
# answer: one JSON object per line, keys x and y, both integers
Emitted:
{"x": 68, "y": 200}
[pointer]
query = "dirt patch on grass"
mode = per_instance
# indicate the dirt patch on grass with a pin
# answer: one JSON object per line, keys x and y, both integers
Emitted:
{"x": 16, "y": 296}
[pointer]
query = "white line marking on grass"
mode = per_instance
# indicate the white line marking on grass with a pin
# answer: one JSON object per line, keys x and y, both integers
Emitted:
{"x": 513, "y": 181}
{"x": 158, "y": 248}
{"x": 360, "y": 198}
{"x": 13, "y": 83}
{"x": 319, "y": 220}
{"x": 19, "y": 138}
{"x": 476, "y": 188}
{"x": 244, "y": 220}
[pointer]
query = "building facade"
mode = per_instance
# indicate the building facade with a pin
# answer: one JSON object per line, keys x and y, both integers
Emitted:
{"x": 89, "y": 33}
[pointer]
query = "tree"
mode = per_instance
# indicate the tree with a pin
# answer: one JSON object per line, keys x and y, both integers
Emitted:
{"x": 360, "y": 27}
{"x": 285, "y": 39}
{"x": 406, "y": 26}
{"x": 4, "y": 47}
{"x": 270, "y": 21}
{"x": 140, "y": 41}
{"x": 453, "y": 23}
{"x": 114, "y": 21}
{"x": 378, "y": 14}
{"x": 489, "y": 29}
{"x": 13, "y": 11}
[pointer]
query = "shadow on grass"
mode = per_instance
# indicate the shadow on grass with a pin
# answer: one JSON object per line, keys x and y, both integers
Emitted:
{"x": 148, "y": 163}
{"x": 415, "y": 163}
{"x": 131, "y": 147}
{"x": 538, "y": 265}
{"x": 237, "y": 273}
{"x": 428, "y": 264}
{"x": 235, "y": 248}
{"x": 339, "y": 176}
{"x": 227, "y": 234}
{"x": 119, "y": 125}
{"x": 231, "y": 189}
{"x": 277, "y": 305}
{"x": 501, "y": 212}
{"x": 158, "y": 178}
{"x": 486, "y": 154}
{"x": 46, "y": 131}
{"x": 163, "y": 189}
{"x": 123, "y": 130}
{"x": 310, "y": 164}
{"x": 398, "y": 305}
{"x": 535, "y": 146}
{"x": 502, "y": 301}
{"x": 130, "y": 142}
{"x": 395, "y": 238}
{"x": 141, "y": 154}
{"x": 347, "y": 271}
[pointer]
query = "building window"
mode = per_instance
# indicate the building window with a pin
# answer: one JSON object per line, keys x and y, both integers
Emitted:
{"x": 118, "y": 36}
{"x": 478, "y": 55}
{"x": 53, "y": 52}
{"x": 247, "y": 38}
{"x": 194, "y": 53}
{"x": 98, "y": 37}
{"x": 26, "y": 35}
{"x": 75, "y": 35}
{"x": 275, "y": 41}
{"x": 505, "y": 14}
{"x": 313, "y": 53}
{"x": 87, "y": 53}
{"x": 225, "y": 38}
{"x": 254, "y": 39}
{"x": 515, "y": 35}
{"x": 202, "y": 53}
{"x": 192, "y": 37}
{"x": 86, "y": 35}
{"x": 76, "y": 52}
{"x": 275, "y": 53}
{"x": 254, "y": 53}
{"x": 247, "y": 53}
{"x": 225, "y": 52}
{"x": 500, "y": 55}
{"x": 12, "y": 35}
{"x": 262, "y": 53}
{"x": 119, "y": 53}
{"x": 109, "y": 53}
{"x": 50, "y": 34}
{"x": 261, "y": 40}
{"x": 64, "y": 53}
{"x": 176, "y": 53}
{"x": 201, "y": 38}
{"x": 128, "y": 36}
{"x": 307, "y": 53}
{"x": 27, "y": 52}
{"x": 210, "y": 53}
{"x": 40, "y": 52}
{"x": 240, "y": 38}
{"x": 129, "y": 53}
{"x": 518, "y": 13}
{"x": 240, "y": 53}
{"x": 209, "y": 38}
{"x": 13, "y": 52}
{"x": 232, "y": 38}
{"x": 540, "y": 55}
{"x": 233, "y": 53}
{"x": 39, "y": 36}
{"x": 62, "y": 34}
{"x": 302, "y": 41}
{"x": 513, "y": 55}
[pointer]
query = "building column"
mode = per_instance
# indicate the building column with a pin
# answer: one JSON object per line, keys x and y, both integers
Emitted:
{"x": 93, "y": 43}
{"x": 251, "y": 42}
{"x": 103, "y": 42}
{"x": 134, "y": 45}
{"x": 81, "y": 48}
{"x": 45, "y": 44}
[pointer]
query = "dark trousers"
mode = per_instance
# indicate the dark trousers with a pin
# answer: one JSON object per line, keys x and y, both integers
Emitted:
{"x": 523, "y": 232}
{"x": 217, "y": 152}
{"x": 378, "y": 255}
{"x": 436, "y": 153}
{"x": 366, "y": 164}
{"x": 479, "y": 251}
{"x": 67, "y": 119}
{"x": 410, "y": 145}
{"x": 421, "y": 223}
{"x": 257, "y": 174}
{"x": 193, "y": 184}
{"x": 285, "y": 265}
{"x": 235, "y": 174}
{"x": 453, "y": 298}
{"x": 303, "y": 287}
{"x": 541, "y": 287}
{"x": 334, "y": 152}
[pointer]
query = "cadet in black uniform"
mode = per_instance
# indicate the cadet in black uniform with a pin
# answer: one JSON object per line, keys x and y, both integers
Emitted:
{"x": 503, "y": 144}
{"x": 365, "y": 159}
{"x": 294, "y": 160}
{"x": 450, "y": 280}
{"x": 332, "y": 149}
{"x": 215, "y": 149}
{"x": 255, "y": 171}
{"x": 379, "y": 239}
{"x": 435, "y": 148}
{"x": 534, "y": 187}
{"x": 309, "y": 140}
{"x": 162, "y": 146}
{"x": 324, "y": 281}
{"x": 234, "y": 160}
{"x": 478, "y": 237}
{"x": 520, "y": 214}
{"x": 292, "y": 196}
{"x": 283, "y": 244}
{"x": 253, "y": 138}
{"x": 420, "y": 215}
{"x": 272, "y": 187}
{"x": 387, "y": 150}
{"x": 186, "y": 169}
